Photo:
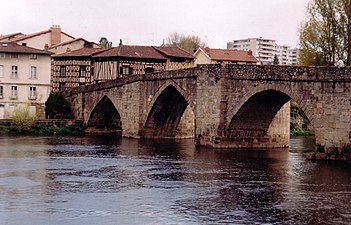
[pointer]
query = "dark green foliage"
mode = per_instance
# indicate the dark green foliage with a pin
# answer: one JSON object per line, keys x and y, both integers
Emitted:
{"x": 320, "y": 148}
{"x": 276, "y": 60}
{"x": 53, "y": 130}
{"x": 57, "y": 107}
{"x": 42, "y": 130}
{"x": 295, "y": 131}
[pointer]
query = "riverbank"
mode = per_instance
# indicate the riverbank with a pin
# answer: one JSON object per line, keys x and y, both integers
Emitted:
{"x": 44, "y": 127}
{"x": 300, "y": 132}
{"x": 42, "y": 130}
{"x": 330, "y": 154}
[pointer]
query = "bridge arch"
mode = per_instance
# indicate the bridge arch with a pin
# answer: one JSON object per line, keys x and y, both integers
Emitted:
{"x": 167, "y": 110}
{"x": 292, "y": 93}
{"x": 104, "y": 117}
{"x": 255, "y": 116}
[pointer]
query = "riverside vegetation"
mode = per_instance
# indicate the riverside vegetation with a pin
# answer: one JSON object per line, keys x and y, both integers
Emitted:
{"x": 56, "y": 107}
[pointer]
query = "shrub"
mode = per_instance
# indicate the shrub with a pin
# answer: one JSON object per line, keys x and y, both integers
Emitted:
{"x": 57, "y": 107}
{"x": 22, "y": 118}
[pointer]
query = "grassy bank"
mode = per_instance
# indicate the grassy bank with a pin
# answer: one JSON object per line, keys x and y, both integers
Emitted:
{"x": 298, "y": 131}
{"x": 43, "y": 130}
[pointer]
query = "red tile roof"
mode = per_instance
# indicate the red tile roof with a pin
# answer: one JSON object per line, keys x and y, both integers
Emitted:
{"x": 10, "y": 47}
{"x": 132, "y": 51}
{"x": 82, "y": 52}
{"x": 230, "y": 55}
{"x": 174, "y": 52}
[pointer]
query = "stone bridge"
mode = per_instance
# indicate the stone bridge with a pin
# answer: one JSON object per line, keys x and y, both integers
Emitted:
{"x": 222, "y": 106}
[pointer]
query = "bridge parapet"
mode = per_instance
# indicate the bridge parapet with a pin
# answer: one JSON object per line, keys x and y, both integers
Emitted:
{"x": 164, "y": 75}
{"x": 288, "y": 73}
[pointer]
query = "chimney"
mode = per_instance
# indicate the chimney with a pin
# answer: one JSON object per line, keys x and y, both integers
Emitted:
{"x": 120, "y": 42}
{"x": 46, "y": 47}
{"x": 249, "y": 52}
{"x": 55, "y": 34}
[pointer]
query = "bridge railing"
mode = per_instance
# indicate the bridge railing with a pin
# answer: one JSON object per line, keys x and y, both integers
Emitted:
{"x": 290, "y": 73}
{"x": 169, "y": 74}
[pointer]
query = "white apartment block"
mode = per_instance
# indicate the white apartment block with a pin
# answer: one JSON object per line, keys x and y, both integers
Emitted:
{"x": 24, "y": 79}
{"x": 265, "y": 50}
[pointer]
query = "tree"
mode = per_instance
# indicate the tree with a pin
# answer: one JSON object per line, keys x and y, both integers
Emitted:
{"x": 57, "y": 107}
{"x": 326, "y": 35}
{"x": 104, "y": 43}
{"x": 276, "y": 60}
{"x": 189, "y": 43}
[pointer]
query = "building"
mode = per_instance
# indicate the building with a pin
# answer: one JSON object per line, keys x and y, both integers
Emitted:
{"x": 213, "y": 56}
{"x": 265, "y": 50}
{"x": 86, "y": 65}
{"x": 73, "y": 68}
{"x": 39, "y": 45}
{"x": 24, "y": 78}
{"x": 53, "y": 39}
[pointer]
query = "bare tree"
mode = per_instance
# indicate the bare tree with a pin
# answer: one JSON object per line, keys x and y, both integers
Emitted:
{"x": 189, "y": 43}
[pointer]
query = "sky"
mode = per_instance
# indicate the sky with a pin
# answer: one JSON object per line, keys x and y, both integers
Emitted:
{"x": 149, "y": 22}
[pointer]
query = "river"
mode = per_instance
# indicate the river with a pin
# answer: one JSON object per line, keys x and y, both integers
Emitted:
{"x": 107, "y": 180}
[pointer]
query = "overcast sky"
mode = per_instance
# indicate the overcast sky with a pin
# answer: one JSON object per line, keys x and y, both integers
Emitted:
{"x": 148, "y": 22}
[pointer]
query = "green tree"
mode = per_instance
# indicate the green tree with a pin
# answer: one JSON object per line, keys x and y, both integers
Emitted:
{"x": 189, "y": 43}
{"x": 57, "y": 107}
{"x": 276, "y": 60}
{"x": 326, "y": 35}
{"x": 22, "y": 118}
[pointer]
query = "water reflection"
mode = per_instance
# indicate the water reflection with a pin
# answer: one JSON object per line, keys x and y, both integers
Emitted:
{"x": 109, "y": 180}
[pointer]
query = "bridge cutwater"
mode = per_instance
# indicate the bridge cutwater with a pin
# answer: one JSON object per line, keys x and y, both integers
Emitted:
{"x": 221, "y": 106}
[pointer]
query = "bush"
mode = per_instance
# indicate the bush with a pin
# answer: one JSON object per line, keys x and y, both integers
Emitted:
{"x": 57, "y": 107}
{"x": 22, "y": 118}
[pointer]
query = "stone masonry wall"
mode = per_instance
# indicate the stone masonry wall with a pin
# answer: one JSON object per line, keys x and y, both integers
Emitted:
{"x": 216, "y": 93}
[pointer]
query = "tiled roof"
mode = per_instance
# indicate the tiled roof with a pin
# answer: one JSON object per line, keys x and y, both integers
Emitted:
{"x": 2, "y": 37}
{"x": 132, "y": 51}
{"x": 10, "y": 47}
{"x": 230, "y": 55}
{"x": 30, "y": 35}
{"x": 82, "y": 52}
{"x": 21, "y": 38}
{"x": 69, "y": 42}
{"x": 174, "y": 52}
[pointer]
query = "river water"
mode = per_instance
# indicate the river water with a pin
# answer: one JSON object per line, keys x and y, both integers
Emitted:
{"x": 107, "y": 180}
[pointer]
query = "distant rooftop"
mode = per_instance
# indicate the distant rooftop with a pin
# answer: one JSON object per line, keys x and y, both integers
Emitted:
{"x": 230, "y": 55}
{"x": 10, "y": 47}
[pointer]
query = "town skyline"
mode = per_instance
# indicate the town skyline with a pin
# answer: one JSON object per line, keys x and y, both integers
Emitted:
{"x": 215, "y": 22}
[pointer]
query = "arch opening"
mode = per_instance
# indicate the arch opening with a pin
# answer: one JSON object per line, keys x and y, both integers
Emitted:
{"x": 170, "y": 116}
{"x": 263, "y": 121}
{"x": 104, "y": 118}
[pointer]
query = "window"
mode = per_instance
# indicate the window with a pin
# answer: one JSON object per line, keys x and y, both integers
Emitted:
{"x": 1, "y": 71}
{"x": 1, "y": 91}
{"x": 126, "y": 70}
{"x": 149, "y": 70}
{"x": 32, "y": 92}
{"x": 63, "y": 71}
{"x": 14, "y": 72}
{"x": 13, "y": 92}
{"x": 14, "y": 55}
{"x": 2, "y": 55}
{"x": 33, "y": 72}
{"x": 62, "y": 86}
{"x": 33, "y": 56}
{"x": 82, "y": 71}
